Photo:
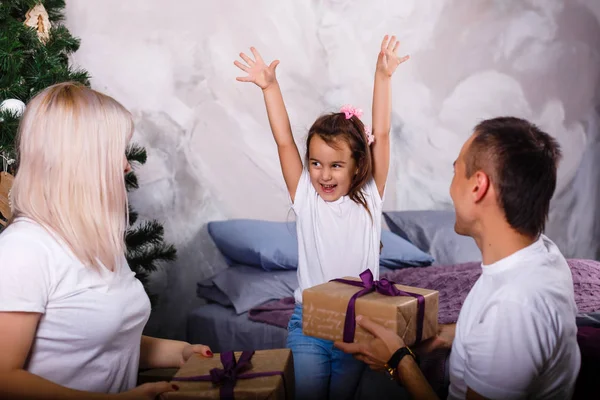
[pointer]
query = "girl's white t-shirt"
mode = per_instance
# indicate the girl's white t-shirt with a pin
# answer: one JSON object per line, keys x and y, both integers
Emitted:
{"x": 335, "y": 239}
{"x": 89, "y": 334}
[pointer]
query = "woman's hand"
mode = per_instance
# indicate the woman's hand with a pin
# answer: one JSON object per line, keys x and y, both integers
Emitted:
{"x": 192, "y": 349}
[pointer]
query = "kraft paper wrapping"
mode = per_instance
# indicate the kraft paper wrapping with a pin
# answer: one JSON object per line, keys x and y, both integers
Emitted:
{"x": 324, "y": 311}
{"x": 269, "y": 387}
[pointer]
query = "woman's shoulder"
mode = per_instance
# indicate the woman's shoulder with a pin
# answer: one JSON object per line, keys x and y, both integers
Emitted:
{"x": 24, "y": 234}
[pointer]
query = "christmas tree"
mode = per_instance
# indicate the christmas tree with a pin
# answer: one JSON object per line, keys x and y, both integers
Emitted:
{"x": 34, "y": 51}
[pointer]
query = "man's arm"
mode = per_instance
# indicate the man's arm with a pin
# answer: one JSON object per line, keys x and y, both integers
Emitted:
{"x": 472, "y": 395}
{"x": 378, "y": 352}
{"x": 414, "y": 381}
{"x": 507, "y": 350}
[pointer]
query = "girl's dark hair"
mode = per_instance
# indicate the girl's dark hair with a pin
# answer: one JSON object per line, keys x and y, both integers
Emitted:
{"x": 334, "y": 127}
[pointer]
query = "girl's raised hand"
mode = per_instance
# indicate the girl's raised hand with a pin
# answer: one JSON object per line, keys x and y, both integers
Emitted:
{"x": 258, "y": 72}
{"x": 388, "y": 59}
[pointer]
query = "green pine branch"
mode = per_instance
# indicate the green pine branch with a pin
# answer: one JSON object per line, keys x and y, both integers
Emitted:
{"x": 136, "y": 154}
{"x": 148, "y": 233}
{"x": 8, "y": 132}
{"x": 146, "y": 257}
{"x": 133, "y": 215}
{"x": 131, "y": 182}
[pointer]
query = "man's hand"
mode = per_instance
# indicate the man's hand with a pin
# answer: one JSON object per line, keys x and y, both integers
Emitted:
{"x": 443, "y": 340}
{"x": 377, "y": 352}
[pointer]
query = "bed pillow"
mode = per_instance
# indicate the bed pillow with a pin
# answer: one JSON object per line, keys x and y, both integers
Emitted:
{"x": 433, "y": 232}
{"x": 208, "y": 291}
{"x": 400, "y": 253}
{"x": 273, "y": 246}
{"x": 269, "y": 245}
{"x": 247, "y": 287}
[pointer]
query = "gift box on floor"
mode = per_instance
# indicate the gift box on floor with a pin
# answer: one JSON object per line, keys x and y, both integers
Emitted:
{"x": 329, "y": 310}
{"x": 264, "y": 374}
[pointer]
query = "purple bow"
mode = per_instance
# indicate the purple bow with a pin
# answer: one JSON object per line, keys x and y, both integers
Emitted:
{"x": 384, "y": 287}
{"x": 227, "y": 377}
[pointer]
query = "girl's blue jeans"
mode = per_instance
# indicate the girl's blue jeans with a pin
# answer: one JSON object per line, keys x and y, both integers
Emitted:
{"x": 322, "y": 371}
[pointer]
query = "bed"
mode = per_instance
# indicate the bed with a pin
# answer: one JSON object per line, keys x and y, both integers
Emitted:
{"x": 222, "y": 329}
{"x": 247, "y": 304}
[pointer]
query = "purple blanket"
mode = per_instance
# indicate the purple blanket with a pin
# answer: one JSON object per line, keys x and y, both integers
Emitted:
{"x": 276, "y": 312}
{"x": 453, "y": 283}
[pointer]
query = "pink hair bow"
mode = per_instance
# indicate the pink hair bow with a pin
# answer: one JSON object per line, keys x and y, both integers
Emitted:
{"x": 370, "y": 136}
{"x": 350, "y": 111}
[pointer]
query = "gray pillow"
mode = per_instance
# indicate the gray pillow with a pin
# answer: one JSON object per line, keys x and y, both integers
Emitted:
{"x": 208, "y": 291}
{"x": 247, "y": 287}
{"x": 433, "y": 232}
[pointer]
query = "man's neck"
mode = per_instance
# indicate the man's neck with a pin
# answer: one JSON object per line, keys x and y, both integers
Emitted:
{"x": 499, "y": 241}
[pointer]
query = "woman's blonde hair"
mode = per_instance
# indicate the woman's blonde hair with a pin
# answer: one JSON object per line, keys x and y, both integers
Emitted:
{"x": 71, "y": 147}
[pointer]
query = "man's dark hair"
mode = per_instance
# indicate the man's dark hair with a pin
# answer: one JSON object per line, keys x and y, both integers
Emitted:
{"x": 521, "y": 161}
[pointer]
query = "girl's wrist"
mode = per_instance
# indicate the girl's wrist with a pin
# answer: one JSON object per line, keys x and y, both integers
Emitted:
{"x": 383, "y": 75}
{"x": 270, "y": 86}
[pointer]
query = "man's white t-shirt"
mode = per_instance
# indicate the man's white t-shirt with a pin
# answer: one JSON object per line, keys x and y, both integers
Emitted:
{"x": 335, "y": 239}
{"x": 516, "y": 335}
{"x": 88, "y": 337}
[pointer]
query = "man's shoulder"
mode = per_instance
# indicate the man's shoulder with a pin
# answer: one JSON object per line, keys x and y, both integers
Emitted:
{"x": 546, "y": 265}
{"x": 542, "y": 289}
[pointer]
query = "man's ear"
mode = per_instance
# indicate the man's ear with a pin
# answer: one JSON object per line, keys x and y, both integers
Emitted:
{"x": 481, "y": 185}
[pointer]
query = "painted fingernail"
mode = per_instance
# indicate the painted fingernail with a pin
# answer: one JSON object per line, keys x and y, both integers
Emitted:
{"x": 175, "y": 387}
{"x": 209, "y": 353}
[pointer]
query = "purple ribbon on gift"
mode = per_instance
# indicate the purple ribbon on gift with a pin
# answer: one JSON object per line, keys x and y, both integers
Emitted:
{"x": 227, "y": 377}
{"x": 384, "y": 287}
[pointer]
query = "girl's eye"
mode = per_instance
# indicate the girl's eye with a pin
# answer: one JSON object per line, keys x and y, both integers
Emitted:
{"x": 336, "y": 165}
{"x": 315, "y": 163}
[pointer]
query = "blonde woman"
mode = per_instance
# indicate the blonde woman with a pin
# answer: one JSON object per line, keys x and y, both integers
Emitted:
{"x": 71, "y": 310}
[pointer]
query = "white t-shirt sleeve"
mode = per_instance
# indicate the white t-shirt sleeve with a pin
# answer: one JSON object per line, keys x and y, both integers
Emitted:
{"x": 303, "y": 191}
{"x": 24, "y": 275}
{"x": 507, "y": 350}
{"x": 371, "y": 190}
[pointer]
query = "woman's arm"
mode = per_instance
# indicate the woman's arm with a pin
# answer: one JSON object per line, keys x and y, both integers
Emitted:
{"x": 165, "y": 353}
{"x": 17, "y": 332}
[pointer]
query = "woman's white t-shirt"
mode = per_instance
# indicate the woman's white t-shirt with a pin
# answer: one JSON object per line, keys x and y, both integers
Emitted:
{"x": 88, "y": 337}
{"x": 335, "y": 239}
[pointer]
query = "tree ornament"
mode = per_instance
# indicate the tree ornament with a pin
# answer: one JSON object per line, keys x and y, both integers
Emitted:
{"x": 37, "y": 18}
{"x": 6, "y": 182}
{"x": 15, "y": 106}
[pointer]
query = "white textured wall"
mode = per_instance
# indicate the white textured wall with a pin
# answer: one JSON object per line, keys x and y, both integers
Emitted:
{"x": 211, "y": 154}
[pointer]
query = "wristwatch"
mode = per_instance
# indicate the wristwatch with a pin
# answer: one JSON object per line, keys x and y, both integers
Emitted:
{"x": 392, "y": 365}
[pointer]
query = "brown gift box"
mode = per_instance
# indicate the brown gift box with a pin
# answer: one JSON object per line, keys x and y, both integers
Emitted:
{"x": 276, "y": 387}
{"x": 324, "y": 311}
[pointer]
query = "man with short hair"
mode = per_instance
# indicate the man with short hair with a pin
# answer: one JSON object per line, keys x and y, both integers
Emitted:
{"x": 516, "y": 335}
